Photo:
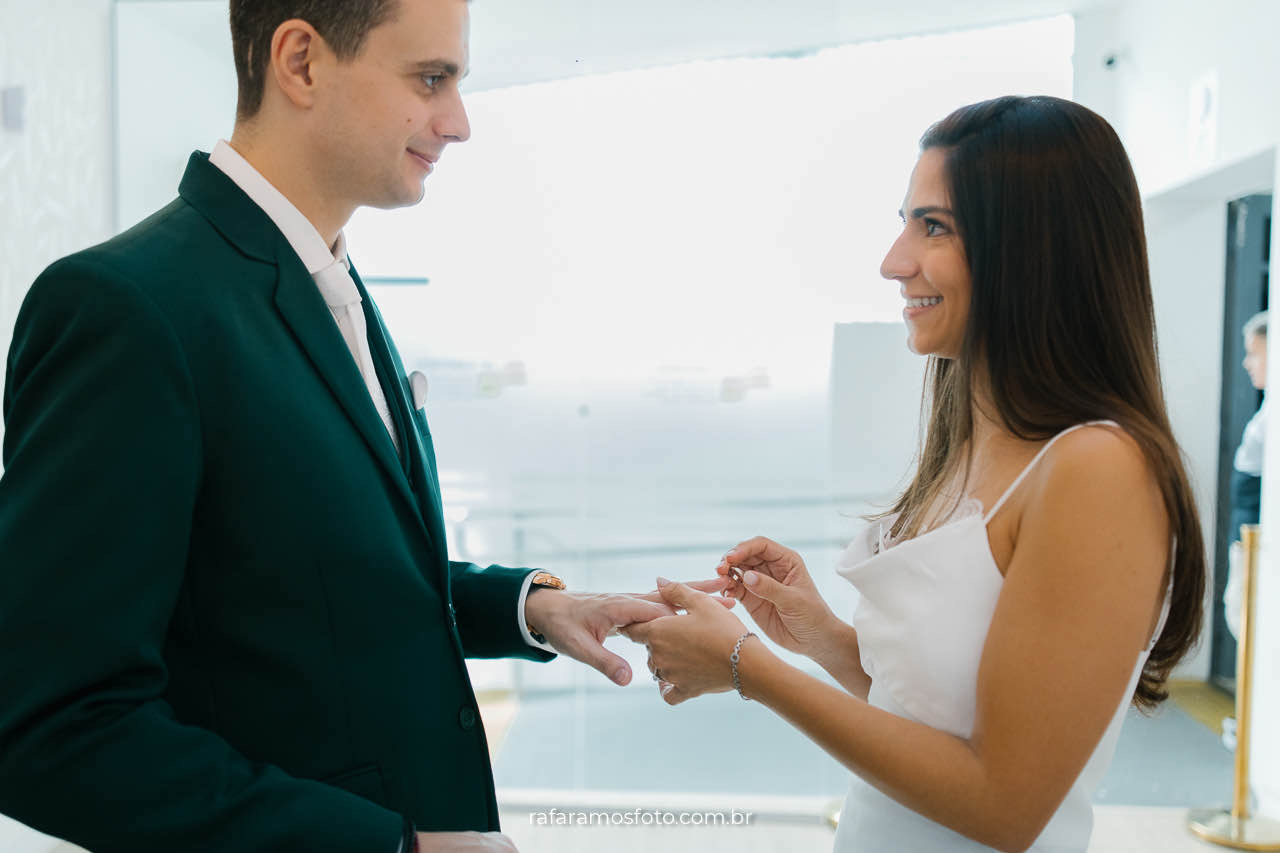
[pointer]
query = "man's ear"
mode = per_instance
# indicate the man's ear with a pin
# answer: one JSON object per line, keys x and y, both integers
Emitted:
{"x": 295, "y": 47}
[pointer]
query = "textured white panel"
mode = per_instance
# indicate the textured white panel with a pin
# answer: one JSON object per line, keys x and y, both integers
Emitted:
{"x": 55, "y": 178}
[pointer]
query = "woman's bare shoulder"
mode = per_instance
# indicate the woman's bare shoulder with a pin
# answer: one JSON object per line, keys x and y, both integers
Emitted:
{"x": 1100, "y": 450}
{"x": 1099, "y": 472}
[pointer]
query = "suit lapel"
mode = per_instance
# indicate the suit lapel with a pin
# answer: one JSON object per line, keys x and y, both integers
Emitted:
{"x": 395, "y": 384}
{"x": 300, "y": 304}
{"x": 302, "y": 307}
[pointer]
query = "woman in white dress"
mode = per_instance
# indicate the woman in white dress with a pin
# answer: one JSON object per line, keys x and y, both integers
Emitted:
{"x": 1044, "y": 568}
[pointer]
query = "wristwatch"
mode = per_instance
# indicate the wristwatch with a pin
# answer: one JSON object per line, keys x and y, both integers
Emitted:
{"x": 550, "y": 581}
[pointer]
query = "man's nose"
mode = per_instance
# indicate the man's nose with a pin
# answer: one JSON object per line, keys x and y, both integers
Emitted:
{"x": 454, "y": 125}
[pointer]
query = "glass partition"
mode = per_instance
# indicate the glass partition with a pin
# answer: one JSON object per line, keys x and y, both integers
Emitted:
{"x": 655, "y": 327}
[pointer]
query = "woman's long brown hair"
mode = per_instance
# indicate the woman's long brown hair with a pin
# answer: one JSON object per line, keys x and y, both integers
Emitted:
{"x": 1061, "y": 322}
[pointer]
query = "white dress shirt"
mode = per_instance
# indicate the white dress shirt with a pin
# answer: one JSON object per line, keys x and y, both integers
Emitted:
{"x": 1250, "y": 453}
{"x": 339, "y": 291}
{"x": 328, "y": 268}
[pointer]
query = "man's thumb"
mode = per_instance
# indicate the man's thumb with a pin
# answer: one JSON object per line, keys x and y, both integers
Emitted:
{"x": 613, "y": 667}
{"x": 596, "y": 656}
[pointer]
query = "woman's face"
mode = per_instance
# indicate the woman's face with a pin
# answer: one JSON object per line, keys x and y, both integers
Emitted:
{"x": 1255, "y": 360}
{"x": 927, "y": 260}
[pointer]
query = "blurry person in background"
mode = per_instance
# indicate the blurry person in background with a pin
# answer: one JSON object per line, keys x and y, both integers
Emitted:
{"x": 1246, "y": 473}
{"x": 1246, "y": 476}
{"x": 1246, "y": 487}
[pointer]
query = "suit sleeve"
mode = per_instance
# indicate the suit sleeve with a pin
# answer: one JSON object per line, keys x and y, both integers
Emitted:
{"x": 102, "y": 454}
{"x": 486, "y": 601}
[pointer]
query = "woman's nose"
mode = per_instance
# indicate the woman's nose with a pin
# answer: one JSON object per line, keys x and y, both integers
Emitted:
{"x": 898, "y": 263}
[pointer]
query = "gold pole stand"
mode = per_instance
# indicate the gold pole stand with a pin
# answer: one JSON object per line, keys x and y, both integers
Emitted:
{"x": 1237, "y": 828}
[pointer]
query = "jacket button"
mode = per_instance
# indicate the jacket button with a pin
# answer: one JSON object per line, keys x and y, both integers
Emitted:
{"x": 467, "y": 719}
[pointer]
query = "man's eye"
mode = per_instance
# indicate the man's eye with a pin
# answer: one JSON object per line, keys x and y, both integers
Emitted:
{"x": 432, "y": 80}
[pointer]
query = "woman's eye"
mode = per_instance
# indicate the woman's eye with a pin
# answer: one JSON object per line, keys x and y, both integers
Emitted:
{"x": 933, "y": 227}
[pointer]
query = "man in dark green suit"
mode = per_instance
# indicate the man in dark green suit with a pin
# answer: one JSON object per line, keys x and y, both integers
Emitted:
{"x": 228, "y": 620}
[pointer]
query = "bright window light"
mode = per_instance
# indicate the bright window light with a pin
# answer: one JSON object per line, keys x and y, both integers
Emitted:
{"x": 722, "y": 214}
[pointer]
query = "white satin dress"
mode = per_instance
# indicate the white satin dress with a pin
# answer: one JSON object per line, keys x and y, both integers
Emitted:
{"x": 925, "y": 606}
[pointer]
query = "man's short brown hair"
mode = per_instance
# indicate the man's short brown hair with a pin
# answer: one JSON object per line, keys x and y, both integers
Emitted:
{"x": 343, "y": 24}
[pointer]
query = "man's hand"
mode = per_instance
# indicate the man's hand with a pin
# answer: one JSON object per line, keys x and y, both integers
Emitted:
{"x": 576, "y": 624}
{"x": 464, "y": 842}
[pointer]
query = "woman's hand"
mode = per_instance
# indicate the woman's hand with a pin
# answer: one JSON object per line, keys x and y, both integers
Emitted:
{"x": 781, "y": 597}
{"x": 689, "y": 652}
{"x": 716, "y": 584}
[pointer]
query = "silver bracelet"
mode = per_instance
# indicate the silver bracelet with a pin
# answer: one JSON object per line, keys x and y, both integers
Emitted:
{"x": 733, "y": 663}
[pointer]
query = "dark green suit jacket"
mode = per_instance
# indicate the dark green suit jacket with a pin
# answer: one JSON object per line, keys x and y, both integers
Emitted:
{"x": 228, "y": 620}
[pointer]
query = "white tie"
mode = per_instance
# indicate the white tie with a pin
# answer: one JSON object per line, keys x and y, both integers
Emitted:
{"x": 342, "y": 297}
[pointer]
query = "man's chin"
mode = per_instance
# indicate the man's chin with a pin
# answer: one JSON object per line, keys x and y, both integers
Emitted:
{"x": 415, "y": 192}
{"x": 405, "y": 197}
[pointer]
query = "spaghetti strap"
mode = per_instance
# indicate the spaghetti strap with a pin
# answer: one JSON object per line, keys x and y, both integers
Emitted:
{"x": 1027, "y": 470}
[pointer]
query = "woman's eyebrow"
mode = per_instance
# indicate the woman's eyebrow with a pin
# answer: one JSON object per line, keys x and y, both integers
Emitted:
{"x": 921, "y": 212}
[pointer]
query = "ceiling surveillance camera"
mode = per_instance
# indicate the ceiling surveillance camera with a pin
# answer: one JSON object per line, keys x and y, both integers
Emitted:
{"x": 1109, "y": 61}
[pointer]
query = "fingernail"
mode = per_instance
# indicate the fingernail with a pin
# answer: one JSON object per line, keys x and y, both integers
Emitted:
{"x": 750, "y": 578}
{"x": 663, "y": 581}
{"x": 621, "y": 676}
{"x": 732, "y": 552}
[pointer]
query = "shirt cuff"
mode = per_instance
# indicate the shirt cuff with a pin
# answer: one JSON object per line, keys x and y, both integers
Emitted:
{"x": 524, "y": 623}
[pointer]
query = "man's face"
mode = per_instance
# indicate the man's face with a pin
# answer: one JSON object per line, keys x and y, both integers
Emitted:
{"x": 1255, "y": 360}
{"x": 386, "y": 116}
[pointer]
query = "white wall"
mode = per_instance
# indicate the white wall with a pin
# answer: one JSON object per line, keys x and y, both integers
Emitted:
{"x": 191, "y": 41}
{"x": 1163, "y": 48}
{"x": 1190, "y": 245}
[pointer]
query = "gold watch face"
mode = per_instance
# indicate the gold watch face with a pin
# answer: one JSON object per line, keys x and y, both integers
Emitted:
{"x": 547, "y": 579}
